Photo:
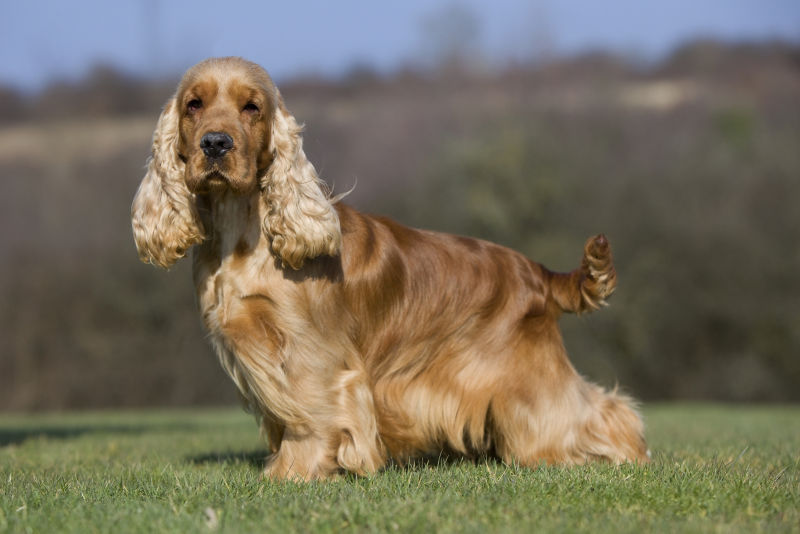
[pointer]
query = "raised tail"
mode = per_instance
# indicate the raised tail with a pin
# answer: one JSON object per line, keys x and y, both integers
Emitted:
{"x": 588, "y": 287}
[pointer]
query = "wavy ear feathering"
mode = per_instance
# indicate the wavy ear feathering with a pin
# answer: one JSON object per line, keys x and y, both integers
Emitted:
{"x": 301, "y": 220}
{"x": 164, "y": 217}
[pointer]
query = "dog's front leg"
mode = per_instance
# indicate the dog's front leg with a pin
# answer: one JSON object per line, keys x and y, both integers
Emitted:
{"x": 303, "y": 455}
{"x": 340, "y": 434}
{"x": 316, "y": 411}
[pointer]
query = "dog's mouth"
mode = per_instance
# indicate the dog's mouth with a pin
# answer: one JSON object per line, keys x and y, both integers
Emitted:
{"x": 217, "y": 181}
{"x": 216, "y": 178}
{"x": 209, "y": 181}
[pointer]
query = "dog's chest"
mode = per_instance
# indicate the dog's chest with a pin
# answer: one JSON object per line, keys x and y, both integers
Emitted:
{"x": 233, "y": 263}
{"x": 224, "y": 284}
{"x": 235, "y": 304}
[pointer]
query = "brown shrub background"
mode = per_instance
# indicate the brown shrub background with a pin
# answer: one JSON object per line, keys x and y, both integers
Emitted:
{"x": 691, "y": 166}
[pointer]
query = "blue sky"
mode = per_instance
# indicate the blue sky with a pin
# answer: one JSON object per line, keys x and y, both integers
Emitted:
{"x": 41, "y": 40}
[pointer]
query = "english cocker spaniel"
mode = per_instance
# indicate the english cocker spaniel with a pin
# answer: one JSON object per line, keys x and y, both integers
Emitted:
{"x": 353, "y": 338}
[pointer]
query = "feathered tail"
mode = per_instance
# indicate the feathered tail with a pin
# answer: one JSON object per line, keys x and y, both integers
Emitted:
{"x": 588, "y": 287}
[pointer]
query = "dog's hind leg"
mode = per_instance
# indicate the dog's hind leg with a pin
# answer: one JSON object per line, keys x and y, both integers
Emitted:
{"x": 550, "y": 414}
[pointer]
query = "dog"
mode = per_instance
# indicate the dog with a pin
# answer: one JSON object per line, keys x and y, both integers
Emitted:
{"x": 352, "y": 338}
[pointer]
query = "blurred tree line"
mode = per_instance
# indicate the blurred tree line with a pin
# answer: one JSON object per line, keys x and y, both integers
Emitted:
{"x": 690, "y": 166}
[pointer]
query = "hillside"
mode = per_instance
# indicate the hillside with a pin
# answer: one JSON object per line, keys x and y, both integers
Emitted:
{"x": 691, "y": 167}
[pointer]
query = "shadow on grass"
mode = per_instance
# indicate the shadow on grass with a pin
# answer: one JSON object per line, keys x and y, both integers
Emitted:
{"x": 15, "y": 436}
{"x": 445, "y": 459}
{"x": 257, "y": 458}
{"x": 18, "y": 435}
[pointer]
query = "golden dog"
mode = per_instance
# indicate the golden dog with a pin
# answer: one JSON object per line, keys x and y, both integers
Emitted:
{"x": 353, "y": 338}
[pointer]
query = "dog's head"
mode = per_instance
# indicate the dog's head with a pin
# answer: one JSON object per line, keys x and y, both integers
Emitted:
{"x": 227, "y": 130}
{"x": 225, "y": 111}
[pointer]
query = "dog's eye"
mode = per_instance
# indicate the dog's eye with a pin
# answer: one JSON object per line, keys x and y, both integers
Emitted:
{"x": 250, "y": 108}
{"x": 194, "y": 104}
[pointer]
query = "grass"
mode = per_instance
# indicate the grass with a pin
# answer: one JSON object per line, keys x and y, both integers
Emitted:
{"x": 715, "y": 468}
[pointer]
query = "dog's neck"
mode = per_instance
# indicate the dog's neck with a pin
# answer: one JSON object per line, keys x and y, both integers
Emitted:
{"x": 232, "y": 221}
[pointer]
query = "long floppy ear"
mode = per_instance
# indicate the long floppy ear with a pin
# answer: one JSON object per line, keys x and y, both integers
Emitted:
{"x": 301, "y": 219}
{"x": 164, "y": 215}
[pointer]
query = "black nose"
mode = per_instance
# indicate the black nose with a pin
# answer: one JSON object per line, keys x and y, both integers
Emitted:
{"x": 216, "y": 144}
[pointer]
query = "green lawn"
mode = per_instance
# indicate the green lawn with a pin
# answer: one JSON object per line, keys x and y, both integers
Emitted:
{"x": 716, "y": 468}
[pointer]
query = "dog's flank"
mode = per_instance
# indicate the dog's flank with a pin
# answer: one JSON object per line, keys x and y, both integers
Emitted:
{"x": 351, "y": 337}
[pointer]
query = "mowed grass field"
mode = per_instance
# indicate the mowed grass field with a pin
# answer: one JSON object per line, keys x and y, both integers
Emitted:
{"x": 715, "y": 469}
